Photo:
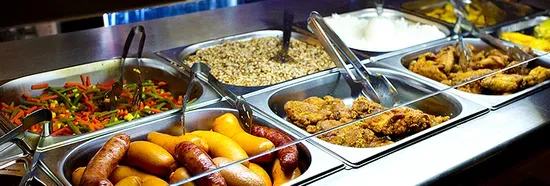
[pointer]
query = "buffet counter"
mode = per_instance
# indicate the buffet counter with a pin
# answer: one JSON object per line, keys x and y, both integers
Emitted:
{"x": 483, "y": 131}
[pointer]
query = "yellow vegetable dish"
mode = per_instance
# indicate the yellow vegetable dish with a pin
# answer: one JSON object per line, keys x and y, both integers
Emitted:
{"x": 541, "y": 40}
{"x": 475, "y": 15}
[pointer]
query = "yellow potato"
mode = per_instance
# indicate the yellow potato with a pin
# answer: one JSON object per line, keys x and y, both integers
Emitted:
{"x": 238, "y": 175}
{"x": 169, "y": 142}
{"x": 223, "y": 146}
{"x": 130, "y": 181}
{"x": 123, "y": 171}
{"x": 154, "y": 182}
{"x": 181, "y": 174}
{"x": 77, "y": 174}
{"x": 261, "y": 172}
{"x": 229, "y": 125}
{"x": 150, "y": 157}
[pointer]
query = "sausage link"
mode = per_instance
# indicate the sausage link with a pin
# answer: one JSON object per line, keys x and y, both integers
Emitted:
{"x": 105, "y": 160}
{"x": 197, "y": 161}
{"x": 287, "y": 156}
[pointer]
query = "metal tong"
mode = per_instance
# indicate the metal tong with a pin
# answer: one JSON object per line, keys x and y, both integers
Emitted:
{"x": 245, "y": 111}
{"x": 31, "y": 160}
{"x": 463, "y": 50}
{"x": 375, "y": 86}
{"x": 462, "y": 23}
{"x": 117, "y": 87}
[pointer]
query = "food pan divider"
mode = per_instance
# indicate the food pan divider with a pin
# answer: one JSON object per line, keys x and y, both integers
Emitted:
{"x": 321, "y": 163}
{"x": 400, "y": 63}
{"x": 333, "y": 84}
{"x": 489, "y": 28}
{"x": 176, "y": 55}
{"x": 102, "y": 71}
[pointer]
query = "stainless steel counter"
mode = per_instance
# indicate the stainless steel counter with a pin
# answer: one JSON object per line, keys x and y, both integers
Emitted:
{"x": 422, "y": 162}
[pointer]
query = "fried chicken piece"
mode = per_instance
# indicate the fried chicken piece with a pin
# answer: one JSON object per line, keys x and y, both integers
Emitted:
{"x": 490, "y": 62}
{"x": 473, "y": 87}
{"x": 517, "y": 70}
{"x": 445, "y": 59}
{"x": 459, "y": 77}
{"x": 314, "y": 109}
{"x": 337, "y": 109}
{"x": 536, "y": 75}
{"x": 501, "y": 83}
{"x": 438, "y": 119}
{"x": 319, "y": 102}
{"x": 303, "y": 114}
{"x": 351, "y": 136}
{"x": 478, "y": 56}
{"x": 363, "y": 107}
{"x": 428, "y": 69}
{"x": 401, "y": 121}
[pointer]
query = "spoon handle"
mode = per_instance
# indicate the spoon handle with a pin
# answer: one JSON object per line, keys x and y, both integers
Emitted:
{"x": 288, "y": 19}
{"x": 379, "y": 7}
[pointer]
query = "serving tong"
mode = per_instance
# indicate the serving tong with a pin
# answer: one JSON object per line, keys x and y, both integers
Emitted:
{"x": 465, "y": 53}
{"x": 30, "y": 155}
{"x": 375, "y": 86}
{"x": 245, "y": 111}
{"x": 117, "y": 87}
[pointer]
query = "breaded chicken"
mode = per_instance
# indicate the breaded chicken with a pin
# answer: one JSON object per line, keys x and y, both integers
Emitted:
{"x": 315, "y": 115}
{"x": 502, "y": 83}
{"x": 351, "y": 136}
{"x": 399, "y": 121}
{"x": 363, "y": 107}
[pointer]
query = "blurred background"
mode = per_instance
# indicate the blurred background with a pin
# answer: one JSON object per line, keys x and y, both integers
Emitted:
{"x": 82, "y": 15}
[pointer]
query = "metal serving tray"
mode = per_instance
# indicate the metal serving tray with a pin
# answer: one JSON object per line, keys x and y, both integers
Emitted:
{"x": 101, "y": 71}
{"x": 401, "y": 63}
{"x": 272, "y": 101}
{"x": 176, "y": 55}
{"x": 392, "y": 13}
{"x": 418, "y": 7}
{"x": 314, "y": 162}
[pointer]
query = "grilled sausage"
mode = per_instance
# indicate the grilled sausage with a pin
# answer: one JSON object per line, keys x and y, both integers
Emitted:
{"x": 105, "y": 160}
{"x": 197, "y": 161}
{"x": 289, "y": 155}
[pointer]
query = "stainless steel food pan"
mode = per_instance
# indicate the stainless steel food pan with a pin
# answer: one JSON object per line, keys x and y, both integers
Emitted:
{"x": 62, "y": 161}
{"x": 177, "y": 55}
{"x": 401, "y": 63}
{"x": 420, "y": 7}
{"x": 459, "y": 109}
{"x": 101, "y": 71}
{"x": 392, "y": 13}
{"x": 525, "y": 26}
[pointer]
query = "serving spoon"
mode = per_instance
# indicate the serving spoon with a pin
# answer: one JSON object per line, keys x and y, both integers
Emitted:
{"x": 282, "y": 56}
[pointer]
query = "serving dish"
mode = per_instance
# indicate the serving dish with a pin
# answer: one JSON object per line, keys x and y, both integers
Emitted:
{"x": 401, "y": 63}
{"x": 272, "y": 101}
{"x": 62, "y": 161}
{"x": 152, "y": 68}
{"x": 179, "y": 54}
